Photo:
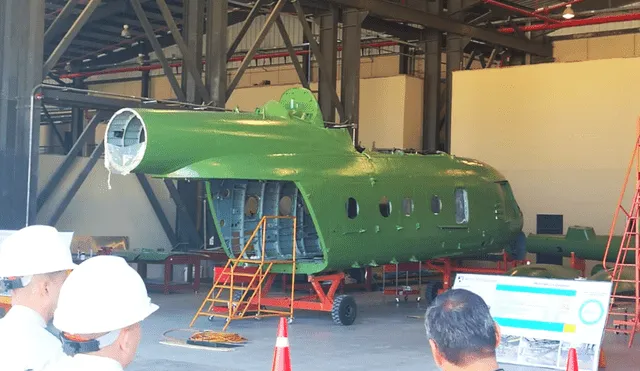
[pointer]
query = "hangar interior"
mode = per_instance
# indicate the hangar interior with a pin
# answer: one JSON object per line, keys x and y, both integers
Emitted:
{"x": 540, "y": 90}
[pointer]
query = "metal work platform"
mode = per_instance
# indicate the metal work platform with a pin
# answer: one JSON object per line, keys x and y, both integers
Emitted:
{"x": 248, "y": 283}
{"x": 625, "y": 276}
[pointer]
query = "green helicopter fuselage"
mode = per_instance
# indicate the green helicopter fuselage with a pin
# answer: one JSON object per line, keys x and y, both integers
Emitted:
{"x": 352, "y": 208}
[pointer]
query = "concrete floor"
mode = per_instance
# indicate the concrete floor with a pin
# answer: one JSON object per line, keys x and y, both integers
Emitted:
{"x": 382, "y": 338}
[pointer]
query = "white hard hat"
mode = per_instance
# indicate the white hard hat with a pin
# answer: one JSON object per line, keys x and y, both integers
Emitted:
{"x": 35, "y": 249}
{"x": 102, "y": 294}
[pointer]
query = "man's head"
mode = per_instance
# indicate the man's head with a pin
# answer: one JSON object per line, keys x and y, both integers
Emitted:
{"x": 33, "y": 264}
{"x": 100, "y": 309}
{"x": 461, "y": 330}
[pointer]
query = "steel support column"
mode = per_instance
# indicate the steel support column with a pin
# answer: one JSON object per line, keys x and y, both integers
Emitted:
{"x": 188, "y": 193}
{"x": 185, "y": 220}
{"x": 77, "y": 117}
{"x": 350, "y": 93}
{"x": 306, "y": 59}
{"x": 455, "y": 53}
{"x": 328, "y": 69}
{"x": 145, "y": 83}
{"x": 192, "y": 31}
{"x": 54, "y": 129}
{"x": 432, "y": 75}
{"x": 21, "y": 39}
{"x": 324, "y": 64}
{"x": 189, "y": 56}
{"x": 144, "y": 182}
{"x": 404, "y": 60}
{"x": 216, "y": 50}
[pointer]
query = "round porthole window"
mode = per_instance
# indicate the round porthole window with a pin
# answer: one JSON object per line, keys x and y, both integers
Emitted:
{"x": 385, "y": 206}
{"x": 407, "y": 206}
{"x": 352, "y": 208}
{"x": 436, "y": 205}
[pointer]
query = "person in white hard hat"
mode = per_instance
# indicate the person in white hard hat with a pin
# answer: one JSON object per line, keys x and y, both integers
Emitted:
{"x": 34, "y": 262}
{"x": 99, "y": 312}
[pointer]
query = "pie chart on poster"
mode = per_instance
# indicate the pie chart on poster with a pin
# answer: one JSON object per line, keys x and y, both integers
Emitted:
{"x": 591, "y": 312}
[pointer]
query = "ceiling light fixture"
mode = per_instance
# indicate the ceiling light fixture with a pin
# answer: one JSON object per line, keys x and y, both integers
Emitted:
{"x": 125, "y": 32}
{"x": 568, "y": 12}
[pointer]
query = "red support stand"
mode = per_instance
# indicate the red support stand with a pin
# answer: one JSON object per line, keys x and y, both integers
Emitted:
{"x": 578, "y": 264}
{"x": 448, "y": 267}
{"x": 367, "y": 285}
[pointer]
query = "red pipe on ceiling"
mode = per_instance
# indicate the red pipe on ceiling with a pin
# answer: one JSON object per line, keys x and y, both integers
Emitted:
{"x": 549, "y": 8}
{"x": 158, "y": 66}
{"x": 574, "y": 23}
{"x": 520, "y": 10}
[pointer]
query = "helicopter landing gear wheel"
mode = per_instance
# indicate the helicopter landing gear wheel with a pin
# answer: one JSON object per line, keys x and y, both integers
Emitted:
{"x": 344, "y": 310}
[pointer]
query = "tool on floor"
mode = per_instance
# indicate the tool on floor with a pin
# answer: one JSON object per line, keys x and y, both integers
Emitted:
{"x": 572, "y": 361}
{"x": 208, "y": 339}
{"x": 281, "y": 355}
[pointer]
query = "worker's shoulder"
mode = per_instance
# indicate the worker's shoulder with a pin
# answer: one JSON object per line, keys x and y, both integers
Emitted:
{"x": 83, "y": 362}
{"x": 10, "y": 331}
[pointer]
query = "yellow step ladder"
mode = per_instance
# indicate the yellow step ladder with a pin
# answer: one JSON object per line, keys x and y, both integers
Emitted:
{"x": 242, "y": 300}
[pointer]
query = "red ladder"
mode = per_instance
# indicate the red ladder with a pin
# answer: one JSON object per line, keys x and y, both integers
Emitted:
{"x": 624, "y": 307}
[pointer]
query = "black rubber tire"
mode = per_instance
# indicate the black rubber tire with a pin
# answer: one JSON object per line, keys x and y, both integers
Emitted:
{"x": 344, "y": 310}
{"x": 431, "y": 291}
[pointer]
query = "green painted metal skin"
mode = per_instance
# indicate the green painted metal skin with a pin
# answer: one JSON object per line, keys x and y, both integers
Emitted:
{"x": 583, "y": 241}
{"x": 281, "y": 159}
{"x": 544, "y": 271}
{"x": 627, "y": 274}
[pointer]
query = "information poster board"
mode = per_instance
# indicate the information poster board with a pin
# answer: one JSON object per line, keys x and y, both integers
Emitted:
{"x": 541, "y": 319}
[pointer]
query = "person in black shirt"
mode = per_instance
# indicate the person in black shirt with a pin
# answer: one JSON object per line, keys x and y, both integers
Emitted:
{"x": 461, "y": 332}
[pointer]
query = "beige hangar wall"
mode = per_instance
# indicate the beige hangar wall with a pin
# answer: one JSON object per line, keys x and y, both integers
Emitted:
{"x": 96, "y": 210}
{"x": 562, "y": 133}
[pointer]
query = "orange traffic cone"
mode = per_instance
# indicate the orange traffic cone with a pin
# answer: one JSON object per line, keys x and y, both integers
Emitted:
{"x": 572, "y": 362}
{"x": 603, "y": 359}
{"x": 281, "y": 356}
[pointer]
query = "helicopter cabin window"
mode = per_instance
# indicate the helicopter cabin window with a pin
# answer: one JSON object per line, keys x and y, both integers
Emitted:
{"x": 462, "y": 206}
{"x": 407, "y": 206}
{"x": 352, "y": 208}
{"x": 436, "y": 204}
{"x": 385, "y": 206}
